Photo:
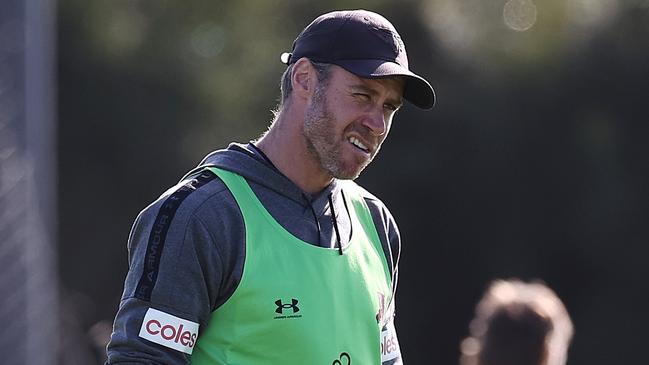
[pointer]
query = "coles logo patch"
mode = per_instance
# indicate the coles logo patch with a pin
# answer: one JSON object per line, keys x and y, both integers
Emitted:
{"x": 390, "y": 345}
{"x": 169, "y": 331}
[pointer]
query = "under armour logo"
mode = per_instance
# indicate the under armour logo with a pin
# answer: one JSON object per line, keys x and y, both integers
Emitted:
{"x": 390, "y": 38}
{"x": 281, "y": 306}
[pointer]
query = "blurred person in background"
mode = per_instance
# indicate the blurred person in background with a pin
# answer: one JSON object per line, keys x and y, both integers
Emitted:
{"x": 268, "y": 252}
{"x": 518, "y": 323}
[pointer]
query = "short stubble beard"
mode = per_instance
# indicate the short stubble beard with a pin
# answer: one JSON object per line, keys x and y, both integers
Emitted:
{"x": 322, "y": 143}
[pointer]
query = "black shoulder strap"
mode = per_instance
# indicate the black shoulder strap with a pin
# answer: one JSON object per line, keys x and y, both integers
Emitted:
{"x": 196, "y": 171}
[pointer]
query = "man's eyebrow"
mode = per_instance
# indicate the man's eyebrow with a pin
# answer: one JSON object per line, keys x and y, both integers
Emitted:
{"x": 363, "y": 87}
{"x": 397, "y": 102}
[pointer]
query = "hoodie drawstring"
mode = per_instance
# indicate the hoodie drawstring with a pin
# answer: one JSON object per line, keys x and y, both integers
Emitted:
{"x": 334, "y": 218}
{"x": 315, "y": 216}
{"x": 334, "y": 222}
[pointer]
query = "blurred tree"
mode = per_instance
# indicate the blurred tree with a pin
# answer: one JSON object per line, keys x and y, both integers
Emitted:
{"x": 533, "y": 164}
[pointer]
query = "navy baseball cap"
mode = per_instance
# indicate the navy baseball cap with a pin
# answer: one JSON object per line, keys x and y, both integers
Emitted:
{"x": 365, "y": 44}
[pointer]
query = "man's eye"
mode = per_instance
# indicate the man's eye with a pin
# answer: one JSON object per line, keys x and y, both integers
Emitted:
{"x": 362, "y": 96}
{"x": 390, "y": 107}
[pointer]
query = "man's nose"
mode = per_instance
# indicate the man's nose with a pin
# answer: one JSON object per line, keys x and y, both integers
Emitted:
{"x": 376, "y": 121}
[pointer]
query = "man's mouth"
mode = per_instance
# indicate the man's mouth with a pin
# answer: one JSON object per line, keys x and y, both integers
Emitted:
{"x": 358, "y": 144}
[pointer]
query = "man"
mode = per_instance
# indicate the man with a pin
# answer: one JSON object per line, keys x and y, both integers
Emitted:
{"x": 267, "y": 253}
{"x": 518, "y": 323}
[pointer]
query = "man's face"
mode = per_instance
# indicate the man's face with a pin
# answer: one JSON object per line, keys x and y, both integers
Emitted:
{"x": 348, "y": 119}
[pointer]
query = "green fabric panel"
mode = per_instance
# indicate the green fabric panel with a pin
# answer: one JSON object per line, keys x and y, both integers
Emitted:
{"x": 298, "y": 303}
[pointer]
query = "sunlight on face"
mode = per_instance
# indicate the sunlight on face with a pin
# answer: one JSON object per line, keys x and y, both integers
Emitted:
{"x": 348, "y": 120}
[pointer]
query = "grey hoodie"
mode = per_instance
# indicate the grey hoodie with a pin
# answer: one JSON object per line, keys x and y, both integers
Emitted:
{"x": 187, "y": 249}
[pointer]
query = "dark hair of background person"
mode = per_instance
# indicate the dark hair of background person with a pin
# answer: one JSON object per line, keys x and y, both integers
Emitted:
{"x": 518, "y": 323}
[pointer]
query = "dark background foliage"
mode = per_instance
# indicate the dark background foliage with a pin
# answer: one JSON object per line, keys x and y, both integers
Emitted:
{"x": 532, "y": 165}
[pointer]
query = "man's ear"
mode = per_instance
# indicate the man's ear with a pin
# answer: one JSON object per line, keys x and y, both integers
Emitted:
{"x": 303, "y": 78}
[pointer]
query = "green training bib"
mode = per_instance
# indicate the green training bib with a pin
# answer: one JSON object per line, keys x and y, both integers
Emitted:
{"x": 298, "y": 303}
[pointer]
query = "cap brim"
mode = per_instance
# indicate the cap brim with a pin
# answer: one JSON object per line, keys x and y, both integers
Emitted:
{"x": 417, "y": 90}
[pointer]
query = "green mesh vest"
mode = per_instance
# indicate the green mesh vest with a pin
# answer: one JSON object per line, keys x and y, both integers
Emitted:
{"x": 298, "y": 303}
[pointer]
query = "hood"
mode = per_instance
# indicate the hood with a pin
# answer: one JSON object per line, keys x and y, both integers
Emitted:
{"x": 248, "y": 161}
{"x": 245, "y": 160}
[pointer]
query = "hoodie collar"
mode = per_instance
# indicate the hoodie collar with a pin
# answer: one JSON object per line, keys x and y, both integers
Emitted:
{"x": 247, "y": 161}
